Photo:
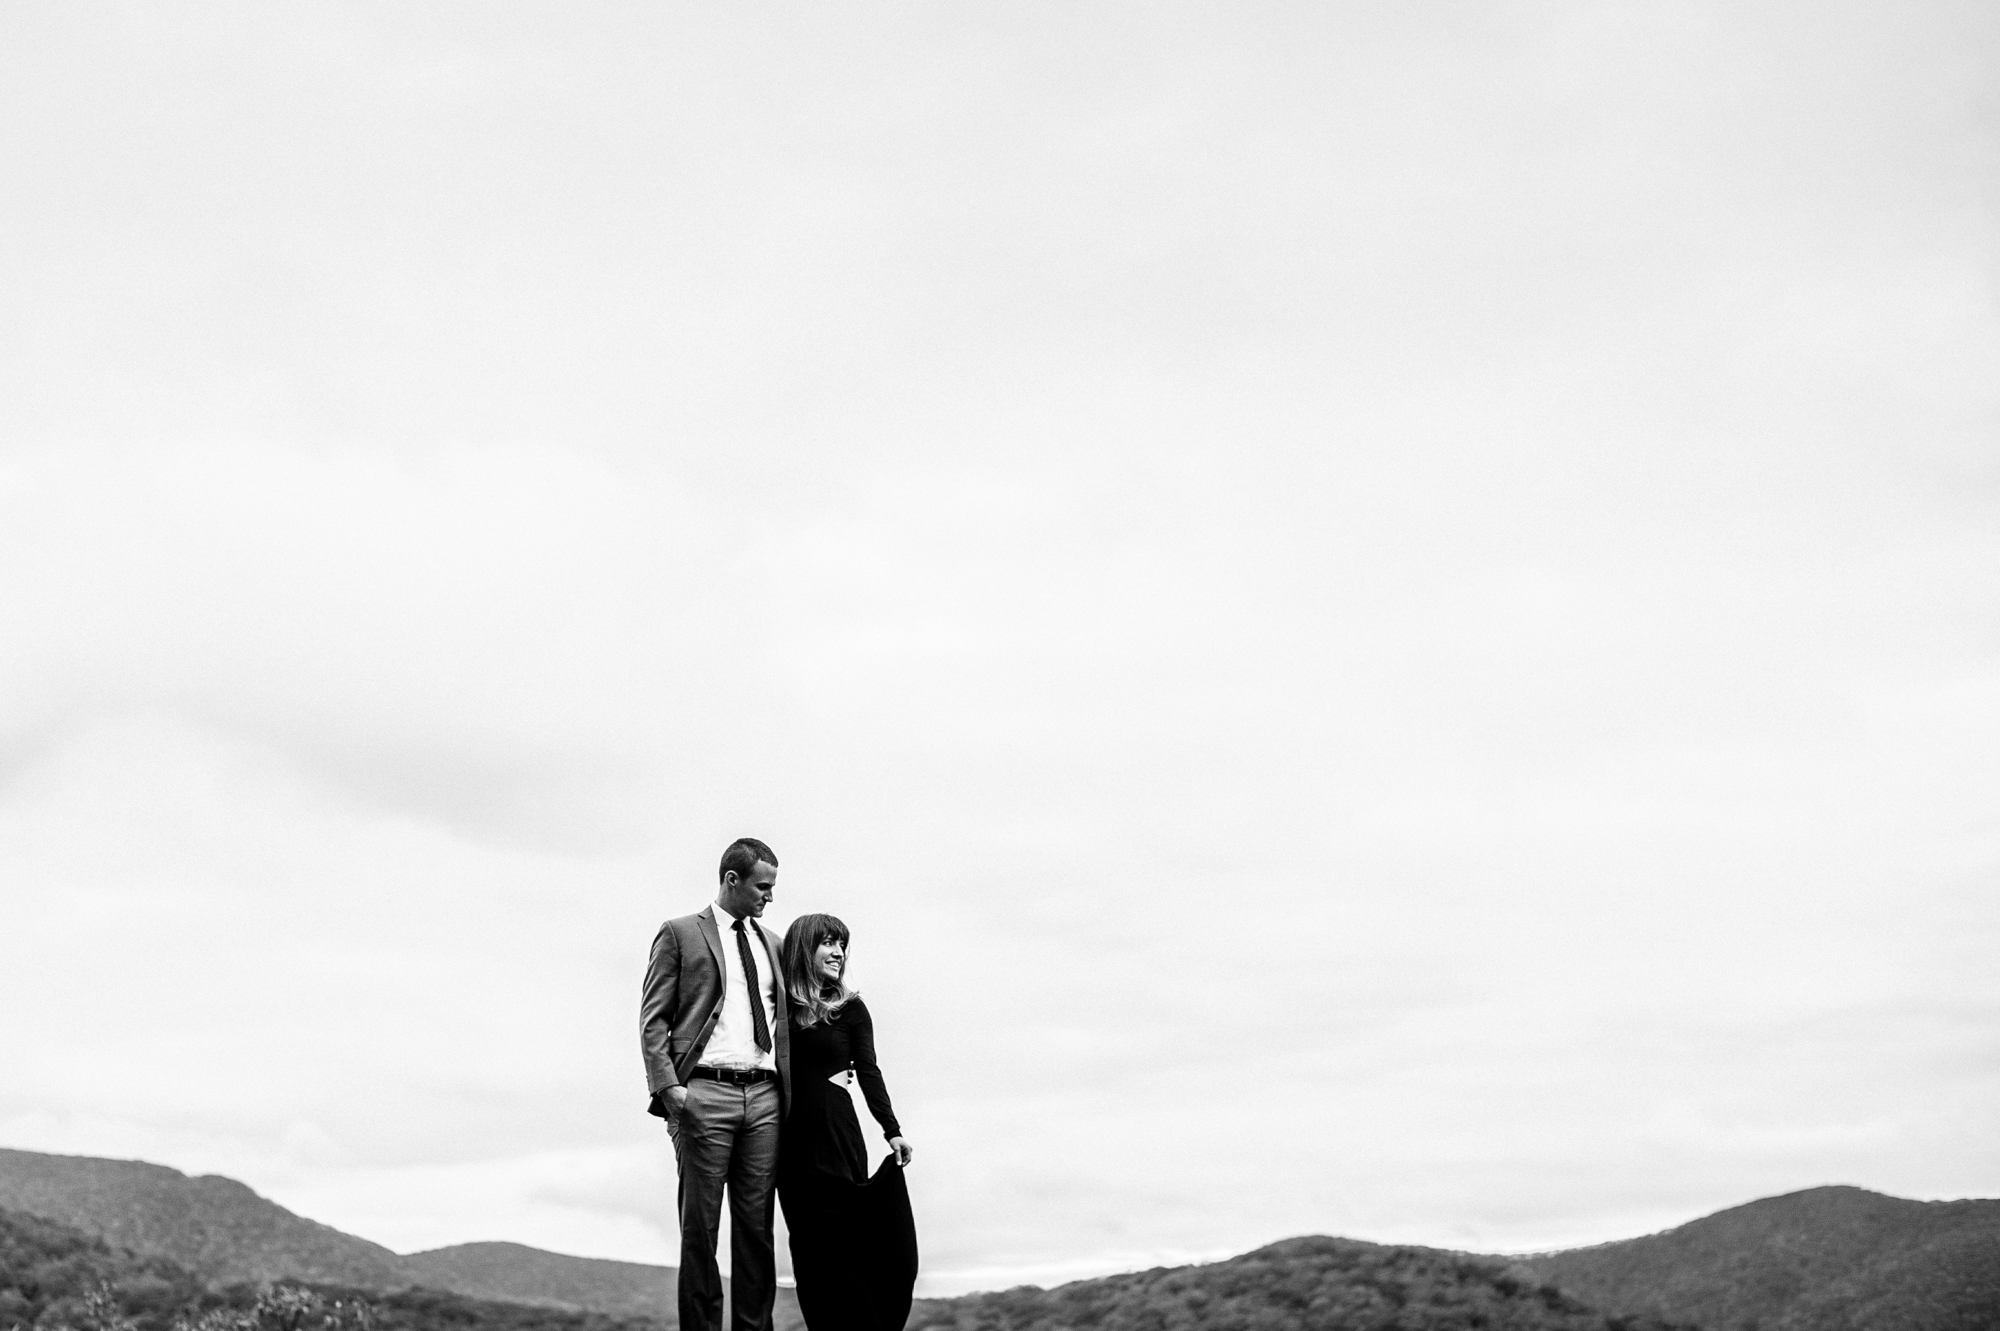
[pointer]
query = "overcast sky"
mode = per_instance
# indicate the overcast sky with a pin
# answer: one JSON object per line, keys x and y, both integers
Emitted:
{"x": 1384, "y": 619}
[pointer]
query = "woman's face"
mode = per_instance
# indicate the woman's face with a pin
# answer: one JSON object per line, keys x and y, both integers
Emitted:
{"x": 829, "y": 959}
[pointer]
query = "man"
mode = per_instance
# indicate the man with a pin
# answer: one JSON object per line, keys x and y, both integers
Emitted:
{"x": 712, "y": 1029}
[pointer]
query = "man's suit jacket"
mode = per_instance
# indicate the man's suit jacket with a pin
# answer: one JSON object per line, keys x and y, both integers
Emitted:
{"x": 683, "y": 999}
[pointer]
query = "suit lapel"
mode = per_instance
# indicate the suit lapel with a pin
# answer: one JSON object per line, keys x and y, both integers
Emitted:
{"x": 777, "y": 976}
{"x": 713, "y": 933}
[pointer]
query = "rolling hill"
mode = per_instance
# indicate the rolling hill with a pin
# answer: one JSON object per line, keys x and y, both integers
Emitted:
{"x": 48, "y": 1270}
{"x": 213, "y": 1226}
{"x": 522, "y": 1274}
{"x": 47, "y": 1267}
{"x": 1826, "y": 1259}
{"x": 1308, "y": 1284}
{"x": 224, "y": 1233}
{"x": 1829, "y": 1259}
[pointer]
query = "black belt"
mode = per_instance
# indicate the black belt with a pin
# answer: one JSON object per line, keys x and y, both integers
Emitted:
{"x": 736, "y": 1076}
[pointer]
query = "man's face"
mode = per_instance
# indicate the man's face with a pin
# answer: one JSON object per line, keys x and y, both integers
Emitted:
{"x": 745, "y": 898}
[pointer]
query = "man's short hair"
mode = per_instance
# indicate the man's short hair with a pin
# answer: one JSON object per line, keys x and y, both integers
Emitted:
{"x": 743, "y": 855}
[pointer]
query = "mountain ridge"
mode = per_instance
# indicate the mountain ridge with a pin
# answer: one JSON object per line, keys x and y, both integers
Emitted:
{"x": 55, "y": 1276}
{"x": 1833, "y": 1258}
{"x": 1312, "y": 1283}
{"x": 214, "y": 1226}
{"x": 1837, "y": 1258}
{"x": 225, "y": 1232}
{"x": 495, "y": 1269}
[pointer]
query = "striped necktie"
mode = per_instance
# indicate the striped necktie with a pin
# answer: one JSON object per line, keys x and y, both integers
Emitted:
{"x": 758, "y": 1023}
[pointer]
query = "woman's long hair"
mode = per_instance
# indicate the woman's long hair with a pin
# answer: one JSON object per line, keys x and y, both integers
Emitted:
{"x": 814, "y": 997}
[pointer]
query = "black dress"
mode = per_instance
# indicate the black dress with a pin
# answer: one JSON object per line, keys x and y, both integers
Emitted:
{"x": 854, "y": 1242}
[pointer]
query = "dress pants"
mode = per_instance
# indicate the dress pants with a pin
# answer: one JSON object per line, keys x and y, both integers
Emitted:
{"x": 727, "y": 1136}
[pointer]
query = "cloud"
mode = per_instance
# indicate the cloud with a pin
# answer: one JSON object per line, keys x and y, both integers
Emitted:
{"x": 1379, "y": 626}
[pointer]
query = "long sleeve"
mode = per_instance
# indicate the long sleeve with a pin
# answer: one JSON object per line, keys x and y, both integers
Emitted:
{"x": 658, "y": 1001}
{"x": 861, "y": 1044}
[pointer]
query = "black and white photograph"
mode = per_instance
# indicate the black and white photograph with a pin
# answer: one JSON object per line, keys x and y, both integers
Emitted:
{"x": 999, "y": 667}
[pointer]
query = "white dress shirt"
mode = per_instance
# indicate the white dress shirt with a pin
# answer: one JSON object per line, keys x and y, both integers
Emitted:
{"x": 733, "y": 1043}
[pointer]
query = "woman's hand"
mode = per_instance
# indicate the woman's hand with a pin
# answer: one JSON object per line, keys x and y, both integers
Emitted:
{"x": 903, "y": 1151}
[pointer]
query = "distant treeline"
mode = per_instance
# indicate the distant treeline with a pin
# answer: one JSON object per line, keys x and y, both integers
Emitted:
{"x": 53, "y": 1276}
{"x": 56, "y": 1278}
{"x": 1309, "y": 1284}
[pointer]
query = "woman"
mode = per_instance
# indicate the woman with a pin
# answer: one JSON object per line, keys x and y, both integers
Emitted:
{"x": 854, "y": 1243}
